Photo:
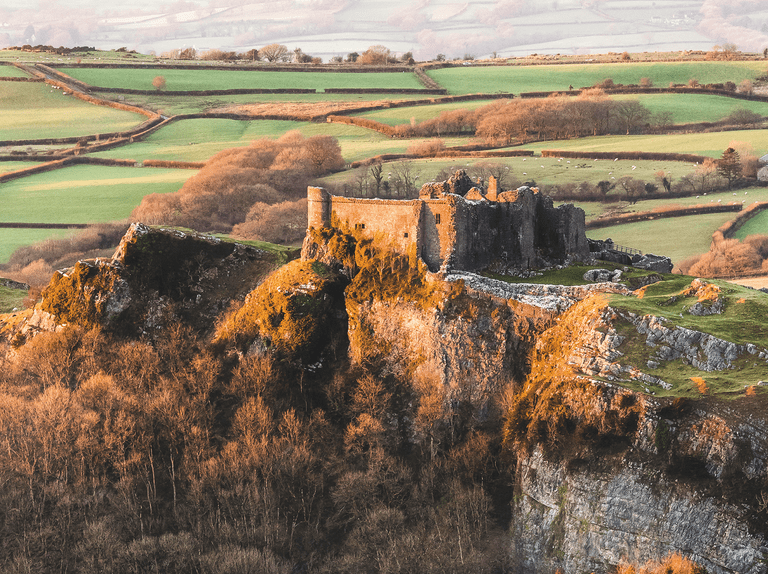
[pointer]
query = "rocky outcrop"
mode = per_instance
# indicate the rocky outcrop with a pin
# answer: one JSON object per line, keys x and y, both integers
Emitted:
{"x": 156, "y": 277}
{"x": 588, "y": 520}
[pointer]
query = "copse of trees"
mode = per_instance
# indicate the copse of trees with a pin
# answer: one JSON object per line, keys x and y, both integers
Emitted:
{"x": 267, "y": 172}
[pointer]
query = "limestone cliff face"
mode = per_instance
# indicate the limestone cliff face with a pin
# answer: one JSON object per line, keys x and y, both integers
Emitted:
{"x": 471, "y": 347}
{"x": 588, "y": 520}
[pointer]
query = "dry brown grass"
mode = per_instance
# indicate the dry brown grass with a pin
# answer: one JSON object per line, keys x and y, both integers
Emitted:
{"x": 701, "y": 385}
{"x": 672, "y": 564}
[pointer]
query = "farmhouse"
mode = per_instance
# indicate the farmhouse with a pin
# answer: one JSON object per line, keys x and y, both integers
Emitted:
{"x": 456, "y": 225}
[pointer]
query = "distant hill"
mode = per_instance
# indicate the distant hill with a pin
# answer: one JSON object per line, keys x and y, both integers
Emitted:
{"x": 329, "y": 28}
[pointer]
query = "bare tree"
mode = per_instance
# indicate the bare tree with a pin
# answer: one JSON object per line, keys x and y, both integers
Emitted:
{"x": 632, "y": 114}
{"x": 274, "y": 53}
{"x": 159, "y": 83}
{"x": 375, "y": 55}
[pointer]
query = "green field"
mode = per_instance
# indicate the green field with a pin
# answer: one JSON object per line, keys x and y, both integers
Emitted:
{"x": 36, "y": 111}
{"x": 676, "y": 237}
{"x": 757, "y": 225}
{"x": 555, "y": 171}
{"x": 708, "y": 144}
{"x": 397, "y": 116}
{"x": 12, "y": 72}
{"x": 199, "y": 139}
{"x": 692, "y": 108}
{"x": 746, "y": 196}
{"x": 11, "y": 239}
{"x": 8, "y": 166}
{"x": 685, "y": 108}
{"x": 204, "y": 79}
{"x": 96, "y": 56}
{"x": 84, "y": 194}
{"x": 547, "y": 78}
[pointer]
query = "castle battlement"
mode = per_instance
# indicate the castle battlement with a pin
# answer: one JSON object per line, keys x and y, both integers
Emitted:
{"x": 456, "y": 225}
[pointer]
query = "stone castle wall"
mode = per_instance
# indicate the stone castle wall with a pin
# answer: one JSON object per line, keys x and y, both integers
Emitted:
{"x": 520, "y": 228}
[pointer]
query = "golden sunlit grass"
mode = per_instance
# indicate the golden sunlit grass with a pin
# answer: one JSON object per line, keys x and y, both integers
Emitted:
{"x": 672, "y": 564}
{"x": 701, "y": 385}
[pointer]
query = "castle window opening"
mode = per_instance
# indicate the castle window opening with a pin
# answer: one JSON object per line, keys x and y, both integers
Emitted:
{"x": 405, "y": 234}
{"x": 437, "y": 219}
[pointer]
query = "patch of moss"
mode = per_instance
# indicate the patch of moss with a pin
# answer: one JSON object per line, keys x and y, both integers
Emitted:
{"x": 80, "y": 295}
{"x": 293, "y": 312}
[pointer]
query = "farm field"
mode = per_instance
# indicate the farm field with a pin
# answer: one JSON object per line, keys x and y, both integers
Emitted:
{"x": 36, "y": 111}
{"x": 8, "y": 166}
{"x": 757, "y": 225}
{"x": 12, "y": 72}
{"x": 397, "y": 116}
{"x": 745, "y": 196}
{"x": 693, "y": 108}
{"x": 200, "y": 139}
{"x": 173, "y": 105}
{"x": 546, "y": 78}
{"x": 11, "y": 239}
{"x": 85, "y": 193}
{"x": 203, "y": 79}
{"x": 709, "y": 144}
{"x": 554, "y": 170}
{"x": 678, "y": 238}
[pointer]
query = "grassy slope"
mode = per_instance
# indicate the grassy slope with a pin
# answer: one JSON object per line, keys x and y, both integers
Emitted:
{"x": 203, "y": 79}
{"x": 742, "y": 322}
{"x": 517, "y": 79}
{"x": 35, "y": 111}
{"x": 84, "y": 194}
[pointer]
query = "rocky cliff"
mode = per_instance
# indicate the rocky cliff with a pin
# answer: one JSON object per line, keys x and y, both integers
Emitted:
{"x": 610, "y": 457}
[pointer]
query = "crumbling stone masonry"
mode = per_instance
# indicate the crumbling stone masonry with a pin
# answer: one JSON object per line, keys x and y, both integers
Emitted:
{"x": 454, "y": 225}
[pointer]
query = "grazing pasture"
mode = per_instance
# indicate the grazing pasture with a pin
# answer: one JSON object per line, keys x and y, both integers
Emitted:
{"x": 547, "y": 78}
{"x": 675, "y": 237}
{"x": 37, "y": 111}
{"x": 710, "y": 144}
{"x": 85, "y": 193}
{"x": 206, "y": 79}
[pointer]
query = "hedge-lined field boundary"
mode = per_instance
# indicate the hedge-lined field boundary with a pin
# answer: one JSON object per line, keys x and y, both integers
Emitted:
{"x": 66, "y": 162}
{"x": 13, "y": 225}
{"x": 173, "y": 164}
{"x": 631, "y": 155}
{"x": 439, "y": 91}
{"x": 730, "y": 227}
{"x": 662, "y": 213}
{"x": 264, "y": 67}
{"x": 17, "y": 79}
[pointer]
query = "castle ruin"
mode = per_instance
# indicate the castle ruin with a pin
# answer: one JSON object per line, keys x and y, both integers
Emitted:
{"x": 456, "y": 225}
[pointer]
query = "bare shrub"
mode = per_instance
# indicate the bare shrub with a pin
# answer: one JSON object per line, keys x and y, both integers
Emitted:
{"x": 159, "y": 83}
{"x": 428, "y": 148}
{"x": 284, "y": 222}
{"x": 221, "y": 194}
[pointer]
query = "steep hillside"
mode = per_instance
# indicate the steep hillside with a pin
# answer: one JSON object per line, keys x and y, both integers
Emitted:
{"x": 353, "y": 412}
